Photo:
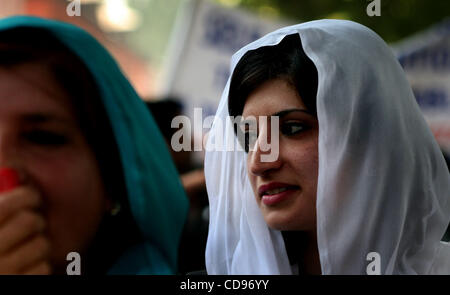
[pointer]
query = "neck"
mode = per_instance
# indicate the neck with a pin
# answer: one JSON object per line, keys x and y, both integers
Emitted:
{"x": 310, "y": 255}
{"x": 301, "y": 247}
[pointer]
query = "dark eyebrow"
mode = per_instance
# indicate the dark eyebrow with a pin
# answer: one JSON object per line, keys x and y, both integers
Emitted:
{"x": 284, "y": 113}
{"x": 288, "y": 111}
{"x": 44, "y": 118}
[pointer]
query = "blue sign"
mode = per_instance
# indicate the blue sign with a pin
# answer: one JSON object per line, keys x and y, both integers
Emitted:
{"x": 227, "y": 32}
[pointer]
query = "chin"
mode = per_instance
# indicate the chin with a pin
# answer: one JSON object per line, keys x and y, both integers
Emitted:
{"x": 284, "y": 224}
{"x": 289, "y": 221}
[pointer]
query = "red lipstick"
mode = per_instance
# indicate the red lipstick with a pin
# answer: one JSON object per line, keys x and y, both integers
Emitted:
{"x": 275, "y": 192}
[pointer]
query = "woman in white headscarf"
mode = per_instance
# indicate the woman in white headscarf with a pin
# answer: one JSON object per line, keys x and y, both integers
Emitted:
{"x": 359, "y": 185}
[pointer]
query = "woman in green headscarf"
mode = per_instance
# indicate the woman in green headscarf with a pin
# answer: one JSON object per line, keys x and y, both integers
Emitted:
{"x": 94, "y": 174}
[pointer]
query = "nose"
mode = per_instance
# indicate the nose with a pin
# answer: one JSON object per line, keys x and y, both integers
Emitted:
{"x": 256, "y": 165}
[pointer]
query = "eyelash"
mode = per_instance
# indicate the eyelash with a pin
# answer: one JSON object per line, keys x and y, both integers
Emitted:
{"x": 283, "y": 130}
{"x": 301, "y": 127}
{"x": 45, "y": 138}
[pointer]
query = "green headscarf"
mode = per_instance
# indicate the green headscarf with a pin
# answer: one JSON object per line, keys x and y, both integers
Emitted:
{"x": 156, "y": 196}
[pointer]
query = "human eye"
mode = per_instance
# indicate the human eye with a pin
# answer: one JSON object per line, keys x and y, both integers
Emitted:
{"x": 45, "y": 138}
{"x": 290, "y": 128}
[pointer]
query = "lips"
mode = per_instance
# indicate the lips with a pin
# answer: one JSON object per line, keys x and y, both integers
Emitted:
{"x": 275, "y": 192}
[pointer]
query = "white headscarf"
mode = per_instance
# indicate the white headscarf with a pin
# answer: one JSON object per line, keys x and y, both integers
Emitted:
{"x": 383, "y": 185}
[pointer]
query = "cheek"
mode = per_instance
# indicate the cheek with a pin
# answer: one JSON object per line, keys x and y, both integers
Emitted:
{"x": 303, "y": 158}
{"x": 64, "y": 174}
{"x": 72, "y": 190}
{"x": 252, "y": 177}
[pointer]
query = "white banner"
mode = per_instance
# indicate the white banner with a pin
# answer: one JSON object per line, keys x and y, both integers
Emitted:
{"x": 426, "y": 61}
{"x": 202, "y": 50}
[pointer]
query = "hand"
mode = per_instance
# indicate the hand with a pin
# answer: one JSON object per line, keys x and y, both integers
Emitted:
{"x": 24, "y": 248}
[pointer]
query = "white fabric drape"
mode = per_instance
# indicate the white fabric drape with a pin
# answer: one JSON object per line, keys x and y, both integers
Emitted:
{"x": 383, "y": 185}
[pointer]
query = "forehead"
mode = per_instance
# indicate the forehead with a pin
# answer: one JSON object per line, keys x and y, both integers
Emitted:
{"x": 271, "y": 97}
{"x": 31, "y": 88}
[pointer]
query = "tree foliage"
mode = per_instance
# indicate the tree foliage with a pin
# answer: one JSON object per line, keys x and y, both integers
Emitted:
{"x": 399, "y": 18}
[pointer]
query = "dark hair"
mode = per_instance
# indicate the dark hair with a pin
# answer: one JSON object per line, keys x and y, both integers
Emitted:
{"x": 33, "y": 45}
{"x": 163, "y": 111}
{"x": 446, "y": 237}
{"x": 447, "y": 160}
{"x": 286, "y": 60}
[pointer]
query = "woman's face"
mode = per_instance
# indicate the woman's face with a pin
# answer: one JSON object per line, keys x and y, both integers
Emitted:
{"x": 41, "y": 138}
{"x": 285, "y": 189}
